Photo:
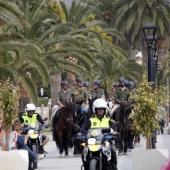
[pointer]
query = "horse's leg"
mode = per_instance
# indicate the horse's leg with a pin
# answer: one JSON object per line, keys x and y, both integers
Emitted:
{"x": 125, "y": 141}
{"x": 131, "y": 138}
{"x": 120, "y": 143}
{"x": 60, "y": 142}
{"x": 67, "y": 136}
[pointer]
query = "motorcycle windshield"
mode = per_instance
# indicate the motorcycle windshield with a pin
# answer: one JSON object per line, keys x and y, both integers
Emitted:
{"x": 97, "y": 133}
{"x": 33, "y": 126}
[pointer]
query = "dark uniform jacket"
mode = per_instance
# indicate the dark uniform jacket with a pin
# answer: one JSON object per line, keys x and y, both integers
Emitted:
{"x": 64, "y": 96}
{"x": 121, "y": 94}
{"x": 97, "y": 93}
{"x": 79, "y": 94}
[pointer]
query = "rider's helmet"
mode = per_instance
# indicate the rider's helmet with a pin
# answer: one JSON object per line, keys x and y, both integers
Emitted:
{"x": 99, "y": 103}
{"x": 86, "y": 84}
{"x": 79, "y": 80}
{"x": 126, "y": 83}
{"x": 122, "y": 80}
{"x": 115, "y": 84}
{"x": 30, "y": 107}
{"x": 74, "y": 83}
{"x": 64, "y": 83}
{"x": 131, "y": 84}
{"x": 97, "y": 82}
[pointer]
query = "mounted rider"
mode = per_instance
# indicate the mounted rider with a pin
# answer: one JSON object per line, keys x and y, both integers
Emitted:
{"x": 121, "y": 95}
{"x": 97, "y": 92}
{"x": 63, "y": 96}
{"x": 80, "y": 97}
{"x": 79, "y": 93}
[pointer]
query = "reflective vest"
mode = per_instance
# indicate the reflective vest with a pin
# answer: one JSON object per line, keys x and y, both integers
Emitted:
{"x": 97, "y": 123}
{"x": 29, "y": 120}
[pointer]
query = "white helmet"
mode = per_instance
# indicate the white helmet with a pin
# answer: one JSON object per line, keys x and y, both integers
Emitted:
{"x": 30, "y": 107}
{"x": 99, "y": 103}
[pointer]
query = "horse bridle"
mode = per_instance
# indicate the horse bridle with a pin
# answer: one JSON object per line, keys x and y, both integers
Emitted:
{"x": 71, "y": 123}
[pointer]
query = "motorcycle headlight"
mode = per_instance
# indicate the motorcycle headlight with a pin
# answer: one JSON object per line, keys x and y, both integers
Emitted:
{"x": 31, "y": 131}
{"x": 91, "y": 141}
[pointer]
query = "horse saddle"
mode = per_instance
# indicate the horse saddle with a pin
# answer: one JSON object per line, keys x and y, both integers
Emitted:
{"x": 115, "y": 108}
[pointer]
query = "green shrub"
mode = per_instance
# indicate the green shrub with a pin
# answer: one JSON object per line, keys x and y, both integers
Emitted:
{"x": 42, "y": 100}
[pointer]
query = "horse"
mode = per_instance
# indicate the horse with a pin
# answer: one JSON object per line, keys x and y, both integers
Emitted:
{"x": 63, "y": 123}
{"x": 120, "y": 115}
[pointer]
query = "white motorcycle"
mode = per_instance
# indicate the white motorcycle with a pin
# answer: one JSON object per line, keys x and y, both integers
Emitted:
{"x": 97, "y": 153}
{"x": 35, "y": 138}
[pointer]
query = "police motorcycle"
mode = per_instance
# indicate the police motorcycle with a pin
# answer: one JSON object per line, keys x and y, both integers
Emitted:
{"x": 96, "y": 152}
{"x": 35, "y": 138}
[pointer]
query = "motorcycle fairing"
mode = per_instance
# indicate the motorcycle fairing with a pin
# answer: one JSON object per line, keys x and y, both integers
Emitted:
{"x": 106, "y": 151}
{"x": 94, "y": 148}
{"x": 34, "y": 136}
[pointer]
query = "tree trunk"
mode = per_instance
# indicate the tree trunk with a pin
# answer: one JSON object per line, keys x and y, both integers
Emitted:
{"x": 55, "y": 87}
{"x": 148, "y": 142}
{"x": 70, "y": 79}
{"x": 161, "y": 49}
{"x": 24, "y": 98}
{"x": 5, "y": 142}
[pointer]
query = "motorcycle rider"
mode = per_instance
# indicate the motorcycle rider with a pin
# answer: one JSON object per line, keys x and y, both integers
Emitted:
{"x": 100, "y": 121}
{"x": 22, "y": 144}
{"x": 31, "y": 117}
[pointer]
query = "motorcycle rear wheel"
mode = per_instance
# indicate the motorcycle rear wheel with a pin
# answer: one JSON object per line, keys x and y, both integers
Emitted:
{"x": 93, "y": 164}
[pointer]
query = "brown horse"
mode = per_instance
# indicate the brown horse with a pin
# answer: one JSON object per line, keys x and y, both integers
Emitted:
{"x": 63, "y": 126}
{"x": 122, "y": 116}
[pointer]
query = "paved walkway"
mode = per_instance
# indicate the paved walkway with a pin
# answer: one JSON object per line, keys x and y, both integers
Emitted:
{"x": 125, "y": 161}
{"x": 163, "y": 142}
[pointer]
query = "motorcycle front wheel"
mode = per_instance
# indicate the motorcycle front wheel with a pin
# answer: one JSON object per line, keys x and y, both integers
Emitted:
{"x": 93, "y": 164}
{"x": 34, "y": 149}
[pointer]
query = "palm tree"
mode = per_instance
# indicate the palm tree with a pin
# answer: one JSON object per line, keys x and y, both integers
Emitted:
{"x": 79, "y": 39}
{"x": 102, "y": 9}
{"x": 19, "y": 56}
{"x": 131, "y": 15}
{"x": 164, "y": 71}
{"x": 108, "y": 68}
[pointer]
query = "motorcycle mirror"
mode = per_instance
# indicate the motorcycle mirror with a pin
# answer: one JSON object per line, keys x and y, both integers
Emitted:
{"x": 45, "y": 119}
{"x": 46, "y": 126}
{"x": 117, "y": 135}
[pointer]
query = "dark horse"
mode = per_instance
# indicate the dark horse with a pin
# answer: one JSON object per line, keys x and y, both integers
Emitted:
{"x": 63, "y": 123}
{"x": 120, "y": 115}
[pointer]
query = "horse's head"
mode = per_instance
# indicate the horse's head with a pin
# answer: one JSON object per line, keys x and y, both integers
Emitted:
{"x": 69, "y": 112}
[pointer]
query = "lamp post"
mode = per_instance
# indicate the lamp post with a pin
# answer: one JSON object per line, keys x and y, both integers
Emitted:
{"x": 149, "y": 31}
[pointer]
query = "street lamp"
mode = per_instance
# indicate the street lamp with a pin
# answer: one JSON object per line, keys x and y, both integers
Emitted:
{"x": 149, "y": 31}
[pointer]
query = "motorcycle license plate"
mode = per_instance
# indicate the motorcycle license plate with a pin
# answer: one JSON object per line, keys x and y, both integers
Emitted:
{"x": 34, "y": 136}
{"x": 94, "y": 148}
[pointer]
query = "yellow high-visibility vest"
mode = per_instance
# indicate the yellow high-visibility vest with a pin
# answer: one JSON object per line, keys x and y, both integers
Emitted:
{"x": 29, "y": 120}
{"x": 97, "y": 123}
